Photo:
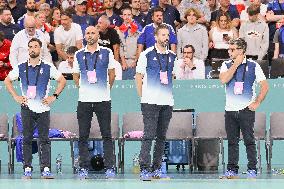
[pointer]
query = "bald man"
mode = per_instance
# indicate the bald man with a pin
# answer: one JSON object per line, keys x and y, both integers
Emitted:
{"x": 19, "y": 48}
{"x": 108, "y": 36}
{"x": 94, "y": 74}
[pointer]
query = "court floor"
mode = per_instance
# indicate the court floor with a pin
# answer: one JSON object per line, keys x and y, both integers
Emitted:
{"x": 177, "y": 181}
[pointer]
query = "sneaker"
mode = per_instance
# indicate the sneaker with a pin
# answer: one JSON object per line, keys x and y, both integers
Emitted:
{"x": 110, "y": 173}
{"x": 145, "y": 175}
{"x": 46, "y": 174}
{"x": 27, "y": 173}
{"x": 82, "y": 173}
{"x": 251, "y": 174}
{"x": 158, "y": 174}
{"x": 229, "y": 174}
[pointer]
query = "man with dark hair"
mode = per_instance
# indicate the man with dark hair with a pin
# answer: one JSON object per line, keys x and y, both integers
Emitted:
{"x": 17, "y": 9}
{"x": 31, "y": 9}
{"x": 147, "y": 37}
{"x": 115, "y": 20}
{"x": 138, "y": 16}
{"x": 6, "y": 25}
{"x": 34, "y": 75}
{"x": 66, "y": 66}
{"x": 171, "y": 14}
{"x": 256, "y": 33}
{"x": 241, "y": 76}
{"x": 66, "y": 35}
{"x": 154, "y": 73}
{"x": 5, "y": 66}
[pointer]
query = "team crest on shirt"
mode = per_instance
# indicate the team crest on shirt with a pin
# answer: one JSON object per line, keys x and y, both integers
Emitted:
{"x": 41, "y": 71}
{"x": 101, "y": 56}
{"x": 154, "y": 58}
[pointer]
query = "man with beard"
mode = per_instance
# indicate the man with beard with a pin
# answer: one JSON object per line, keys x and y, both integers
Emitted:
{"x": 34, "y": 74}
{"x": 6, "y": 24}
{"x": 147, "y": 37}
{"x": 115, "y": 20}
{"x": 31, "y": 9}
{"x": 19, "y": 47}
{"x": 17, "y": 9}
{"x": 94, "y": 74}
{"x": 154, "y": 73}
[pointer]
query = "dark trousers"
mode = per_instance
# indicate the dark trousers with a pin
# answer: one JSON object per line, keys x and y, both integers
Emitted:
{"x": 84, "y": 115}
{"x": 156, "y": 120}
{"x": 42, "y": 120}
{"x": 236, "y": 121}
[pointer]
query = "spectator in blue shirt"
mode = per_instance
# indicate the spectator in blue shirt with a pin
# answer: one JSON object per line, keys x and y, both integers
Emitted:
{"x": 115, "y": 20}
{"x": 81, "y": 18}
{"x": 17, "y": 9}
{"x": 226, "y": 7}
{"x": 31, "y": 9}
{"x": 274, "y": 17}
{"x": 147, "y": 39}
{"x": 6, "y": 25}
{"x": 171, "y": 14}
{"x": 139, "y": 17}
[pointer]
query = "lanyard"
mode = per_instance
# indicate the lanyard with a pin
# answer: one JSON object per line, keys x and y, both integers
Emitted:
{"x": 244, "y": 73}
{"x": 95, "y": 64}
{"x": 160, "y": 61}
{"x": 37, "y": 75}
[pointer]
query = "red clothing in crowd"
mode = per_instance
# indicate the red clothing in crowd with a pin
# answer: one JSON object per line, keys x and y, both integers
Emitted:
{"x": 96, "y": 5}
{"x": 4, "y": 57}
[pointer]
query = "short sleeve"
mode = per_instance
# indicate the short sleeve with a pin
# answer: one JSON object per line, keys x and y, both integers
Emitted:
{"x": 224, "y": 67}
{"x": 111, "y": 64}
{"x": 259, "y": 75}
{"x": 14, "y": 74}
{"x": 76, "y": 68}
{"x": 141, "y": 63}
{"x": 54, "y": 73}
{"x": 276, "y": 37}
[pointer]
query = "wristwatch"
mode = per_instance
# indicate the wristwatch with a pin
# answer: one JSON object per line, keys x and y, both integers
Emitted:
{"x": 56, "y": 95}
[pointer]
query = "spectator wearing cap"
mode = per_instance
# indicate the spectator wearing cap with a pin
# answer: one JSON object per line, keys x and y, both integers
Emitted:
{"x": 256, "y": 33}
{"x": 19, "y": 48}
{"x": 31, "y": 9}
{"x": 17, "y": 9}
{"x": 108, "y": 36}
{"x": 81, "y": 18}
{"x": 6, "y": 24}
{"x": 115, "y": 20}
{"x": 66, "y": 35}
{"x": 5, "y": 66}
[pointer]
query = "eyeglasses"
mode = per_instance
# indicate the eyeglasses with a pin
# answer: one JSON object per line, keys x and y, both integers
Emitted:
{"x": 187, "y": 52}
{"x": 232, "y": 50}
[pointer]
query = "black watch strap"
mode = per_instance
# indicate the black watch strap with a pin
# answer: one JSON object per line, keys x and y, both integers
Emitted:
{"x": 56, "y": 95}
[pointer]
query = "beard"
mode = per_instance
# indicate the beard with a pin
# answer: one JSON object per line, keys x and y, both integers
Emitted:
{"x": 33, "y": 55}
{"x": 91, "y": 41}
{"x": 164, "y": 43}
{"x": 31, "y": 9}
